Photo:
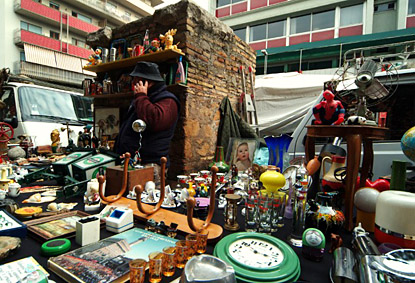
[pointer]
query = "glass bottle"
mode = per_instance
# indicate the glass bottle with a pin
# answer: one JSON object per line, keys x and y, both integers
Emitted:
{"x": 299, "y": 213}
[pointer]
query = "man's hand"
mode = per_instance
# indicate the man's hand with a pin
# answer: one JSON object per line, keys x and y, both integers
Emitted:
{"x": 141, "y": 88}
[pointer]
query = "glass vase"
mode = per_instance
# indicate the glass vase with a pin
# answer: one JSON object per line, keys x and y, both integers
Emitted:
{"x": 220, "y": 161}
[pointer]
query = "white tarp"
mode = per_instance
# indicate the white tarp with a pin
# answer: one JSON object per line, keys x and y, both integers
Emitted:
{"x": 283, "y": 99}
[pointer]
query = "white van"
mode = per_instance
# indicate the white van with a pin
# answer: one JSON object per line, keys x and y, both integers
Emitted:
{"x": 400, "y": 108}
{"x": 36, "y": 111}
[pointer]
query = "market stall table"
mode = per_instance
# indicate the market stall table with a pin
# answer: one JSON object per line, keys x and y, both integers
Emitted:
{"x": 310, "y": 271}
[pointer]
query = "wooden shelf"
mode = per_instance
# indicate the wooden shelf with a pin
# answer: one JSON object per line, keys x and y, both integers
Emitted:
{"x": 157, "y": 57}
{"x": 172, "y": 88}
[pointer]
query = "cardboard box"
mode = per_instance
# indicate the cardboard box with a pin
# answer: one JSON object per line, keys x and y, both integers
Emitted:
{"x": 88, "y": 168}
{"x": 63, "y": 166}
{"x": 114, "y": 177}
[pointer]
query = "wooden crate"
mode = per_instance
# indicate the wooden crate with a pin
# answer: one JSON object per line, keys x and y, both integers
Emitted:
{"x": 114, "y": 177}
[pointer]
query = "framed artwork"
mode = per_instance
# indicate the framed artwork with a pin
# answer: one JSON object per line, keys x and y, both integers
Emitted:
{"x": 107, "y": 122}
{"x": 56, "y": 226}
{"x": 241, "y": 152}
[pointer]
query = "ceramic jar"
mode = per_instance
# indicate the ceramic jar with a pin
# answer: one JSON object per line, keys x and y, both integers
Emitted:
{"x": 272, "y": 179}
{"x": 220, "y": 161}
{"x": 329, "y": 181}
{"x": 322, "y": 215}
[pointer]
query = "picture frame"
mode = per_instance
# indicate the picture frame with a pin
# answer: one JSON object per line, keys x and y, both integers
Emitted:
{"x": 246, "y": 148}
{"x": 107, "y": 122}
{"x": 56, "y": 226}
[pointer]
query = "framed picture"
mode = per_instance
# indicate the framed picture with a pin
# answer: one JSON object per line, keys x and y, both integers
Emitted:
{"x": 241, "y": 152}
{"x": 107, "y": 122}
{"x": 56, "y": 226}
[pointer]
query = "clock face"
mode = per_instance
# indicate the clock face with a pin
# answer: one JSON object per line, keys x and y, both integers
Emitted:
{"x": 256, "y": 253}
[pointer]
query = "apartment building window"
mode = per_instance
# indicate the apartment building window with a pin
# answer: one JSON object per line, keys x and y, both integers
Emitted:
{"x": 241, "y": 33}
{"x": 30, "y": 27}
{"x": 22, "y": 56}
{"x": 82, "y": 17}
{"x": 411, "y": 7}
{"x": 276, "y": 29}
{"x": 300, "y": 24}
{"x": 54, "y": 35}
{"x": 384, "y": 7}
{"x": 323, "y": 20}
{"x": 258, "y": 32}
{"x": 127, "y": 16}
{"x": 220, "y": 3}
{"x": 54, "y": 5}
{"x": 351, "y": 15}
{"x": 78, "y": 42}
{"x": 111, "y": 7}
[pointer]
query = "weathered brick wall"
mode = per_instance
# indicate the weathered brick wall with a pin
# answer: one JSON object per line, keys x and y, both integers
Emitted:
{"x": 214, "y": 55}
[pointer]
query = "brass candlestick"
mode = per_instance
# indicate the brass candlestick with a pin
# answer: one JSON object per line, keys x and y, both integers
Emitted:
{"x": 231, "y": 212}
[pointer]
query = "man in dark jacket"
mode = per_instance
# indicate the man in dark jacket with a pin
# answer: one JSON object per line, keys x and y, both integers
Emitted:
{"x": 158, "y": 108}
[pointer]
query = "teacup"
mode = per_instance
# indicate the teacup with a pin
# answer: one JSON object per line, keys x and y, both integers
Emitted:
{"x": 2, "y": 194}
{"x": 14, "y": 190}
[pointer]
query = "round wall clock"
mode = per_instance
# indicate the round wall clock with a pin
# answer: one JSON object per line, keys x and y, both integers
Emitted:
{"x": 259, "y": 257}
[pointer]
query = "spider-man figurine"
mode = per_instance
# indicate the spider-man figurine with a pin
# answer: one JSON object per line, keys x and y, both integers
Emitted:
{"x": 329, "y": 111}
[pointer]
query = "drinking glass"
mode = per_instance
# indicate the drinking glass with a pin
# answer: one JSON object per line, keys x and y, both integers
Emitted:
{"x": 202, "y": 237}
{"x": 138, "y": 270}
{"x": 180, "y": 255}
{"x": 155, "y": 263}
{"x": 264, "y": 213}
{"x": 169, "y": 264}
{"x": 251, "y": 213}
{"x": 191, "y": 242}
{"x": 278, "y": 200}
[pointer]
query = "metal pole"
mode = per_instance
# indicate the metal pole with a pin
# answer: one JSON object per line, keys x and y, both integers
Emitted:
{"x": 264, "y": 51}
{"x": 301, "y": 58}
{"x": 340, "y": 55}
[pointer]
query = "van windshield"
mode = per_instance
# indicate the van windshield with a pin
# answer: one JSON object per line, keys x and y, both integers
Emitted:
{"x": 39, "y": 104}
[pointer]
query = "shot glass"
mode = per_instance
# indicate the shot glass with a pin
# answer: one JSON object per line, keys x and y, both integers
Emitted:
{"x": 138, "y": 270}
{"x": 191, "y": 241}
{"x": 180, "y": 255}
{"x": 169, "y": 263}
{"x": 202, "y": 237}
{"x": 155, "y": 263}
{"x": 251, "y": 213}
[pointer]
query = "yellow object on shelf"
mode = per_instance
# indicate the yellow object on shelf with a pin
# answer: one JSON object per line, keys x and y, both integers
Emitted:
{"x": 28, "y": 211}
{"x": 272, "y": 180}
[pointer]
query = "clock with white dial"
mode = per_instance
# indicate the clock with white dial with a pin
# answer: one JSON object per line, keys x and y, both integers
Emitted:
{"x": 256, "y": 253}
{"x": 259, "y": 258}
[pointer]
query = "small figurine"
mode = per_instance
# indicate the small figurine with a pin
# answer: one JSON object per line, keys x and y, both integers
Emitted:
{"x": 167, "y": 40}
{"x": 328, "y": 111}
{"x": 336, "y": 242}
{"x": 92, "y": 199}
{"x": 55, "y": 138}
{"x": 95, "y": 57}
{"x": 155, "y": 46}
{"x": 313, "y": 244}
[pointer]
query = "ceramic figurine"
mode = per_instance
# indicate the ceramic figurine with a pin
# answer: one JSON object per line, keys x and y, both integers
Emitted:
{"x": 313, "y": 244}
{"x": 92, "y": 200}
{"x": 55, "y": 138}
{"x": 150, "y": 188}
{"x": 167, "y": 40}
{"x": 95, "y": 57}
{"x": 155, "y": 46}
{"x": 328, "y": 111}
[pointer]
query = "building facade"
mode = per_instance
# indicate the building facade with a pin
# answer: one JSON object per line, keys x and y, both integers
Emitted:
{"x": 45, "y": 39}
{"x": 300, "y": 35}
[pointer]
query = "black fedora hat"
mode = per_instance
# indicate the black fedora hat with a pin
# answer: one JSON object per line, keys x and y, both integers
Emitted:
{"x": 148, "y": 71}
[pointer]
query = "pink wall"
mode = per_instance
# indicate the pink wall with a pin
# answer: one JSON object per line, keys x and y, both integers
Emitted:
{"x": 355, "y": 30}
{"x": 40, "y": 9}
{"x": 39, "y": 40}
{"x": 54, "y": 14}
{"x": 239, "y": 8}
{"x": 410, "y": 22}
{"x": 258, "y": 45}
{"x": 223, "y": 12}
{"x": 276, "y": 42}
{"x": 79, "y": 51}
{"x": 299, "y": 39}
{"x": 258, "y": 3}
{"x": 323, "y": 35}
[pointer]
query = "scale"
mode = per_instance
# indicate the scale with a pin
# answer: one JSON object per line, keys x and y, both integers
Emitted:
{"x": 120, "y": 220}
{"x": 10, "y": 226}
{"x": 259, "y": 258}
